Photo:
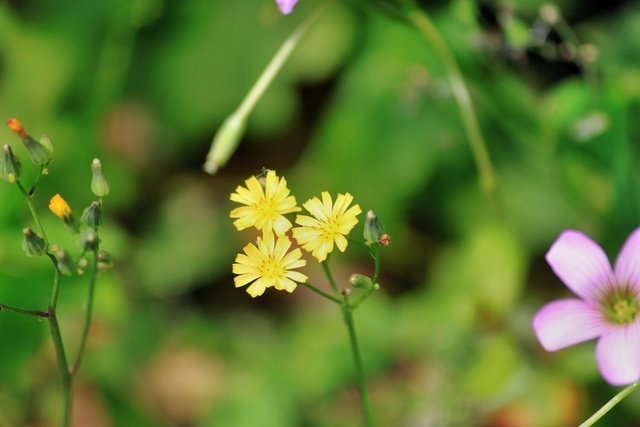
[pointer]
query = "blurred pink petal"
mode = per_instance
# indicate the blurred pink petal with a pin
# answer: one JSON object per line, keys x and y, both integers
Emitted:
{"x": 618, "y": 354}
{"x": 581, "y": 264}
{"x": 627, "y": 269}
{"x": 286, "y": 6}
{"x": 566, "y": 322}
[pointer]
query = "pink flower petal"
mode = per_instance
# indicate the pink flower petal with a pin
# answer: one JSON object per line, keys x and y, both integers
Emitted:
{"x": 618, "y": 354}
{"x": 581, "y": 264}
{"x": 286, "y": 6}
{"x": 566, "y": 322}
{"x": 627, "y": 269}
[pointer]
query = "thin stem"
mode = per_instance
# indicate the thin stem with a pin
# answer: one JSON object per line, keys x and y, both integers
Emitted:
{"x": 610, "y": 404}
{"x": 322, "y": 293}
{"x": 357, "y": 359}
{"x": 276, "y": 63}
{"x": 87, "y": 314}
{"x": 61, "y": 357}
{"x": 375, "y": 253}
{"x": 327, "y": 272}
{"x": 32, "y": 209}
{"x": 422, "y": 22}
{"x": 37, "y": 179}
{"x": 36, "y": 313}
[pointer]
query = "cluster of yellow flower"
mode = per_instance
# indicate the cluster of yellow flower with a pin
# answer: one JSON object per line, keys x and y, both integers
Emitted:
{"x": 269, "y": 263}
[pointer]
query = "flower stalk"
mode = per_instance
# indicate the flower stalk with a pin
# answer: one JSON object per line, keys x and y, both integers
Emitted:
{"x": 230, "y": 133}
{"x": 610, "y": 404}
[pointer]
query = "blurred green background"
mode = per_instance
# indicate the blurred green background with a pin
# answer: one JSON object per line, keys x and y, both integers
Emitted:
{"x": 363, "y": 106}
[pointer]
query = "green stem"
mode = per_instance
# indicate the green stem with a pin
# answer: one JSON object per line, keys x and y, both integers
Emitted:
{"x": 322, "y": 293}
{"x": 61, "y": 357}
{"x": 87, "y": 314}
{"x": 36, "y": 313}
{"x": 327, "y": 272}
{"x": 230, "y": 132}
{"x": 276, "y": 63}
{"x": 422, "y": 22}
{"x": 375, "y": 253}
{"x": 32, "y": 209}
{"x": 357, "y": 359}
{"x": 610, "y": 404}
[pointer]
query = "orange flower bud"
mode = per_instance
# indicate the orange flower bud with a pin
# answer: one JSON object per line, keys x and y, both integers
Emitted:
{"x": 16, "y": 127}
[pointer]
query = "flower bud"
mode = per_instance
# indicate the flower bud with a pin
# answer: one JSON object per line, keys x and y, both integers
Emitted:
{"x": 63, "y": 260}
{"x": 33, "y": 244}
{"x": 92, "y": 215}
{"x": 61, "y": 209}
{"x": 45, "y": 140}
{"x": 225, "y": 143}
{"x": 99, "y": 184}
{"x": 40, "y": 153}
{"x": 82, "y": 265}
{"x": 90, "y": 239}
{"x": 9, "y": 165}
{"x": 373, "y": 229}
{"x": 360, "y": 281}
{"x": 105, "y": 260}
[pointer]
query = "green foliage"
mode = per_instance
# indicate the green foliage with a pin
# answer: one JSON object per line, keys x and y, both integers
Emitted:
{"x": 363, "y": 106}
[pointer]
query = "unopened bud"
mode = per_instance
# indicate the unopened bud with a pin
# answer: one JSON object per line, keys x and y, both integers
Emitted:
{"x": 45, "y": 140}
{"x": 82, "y": 265}
{"x": 40, "y": 152}
{"x": 92, "y": 215}
{"x": 33, "y": 244}
{"x": 99, "y": 184}
{"x": 61, "y": 209}
{"x": 63, "y": 260}
{"x": 105, "y": 260}
{"x": 90, "y": 239}
{"x": 16, "y": 127}
{"x": 360, "y": 281}
{"x": 9, "y": 165}
{"x": 225, "y": 143}
{"x": 373, "y": 229}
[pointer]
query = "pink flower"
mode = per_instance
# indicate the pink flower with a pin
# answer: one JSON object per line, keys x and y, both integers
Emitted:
{"x": 286, "y": 6}
{"x": 607, "y": 307}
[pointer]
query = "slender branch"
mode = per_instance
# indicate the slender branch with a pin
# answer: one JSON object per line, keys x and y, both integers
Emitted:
{"x": 87, "y": 314}
{"x": 61, "y": 357}
{"x": 357, "y": 359}
{"x": 32, "y": 209}
{"x": 327, "y": 272}
{"x": 422, "y": 22}
{"x": 610, "y": 404}
{"x": 322, "y": 293}
{"x": 36, "y": 313}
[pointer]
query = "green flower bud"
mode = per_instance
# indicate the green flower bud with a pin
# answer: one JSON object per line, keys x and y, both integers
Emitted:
{"x": 38, "y": 152}
{"x": 99, "y": 184}
{"x": 92, "y": 215}
{"x": 83, "y": 264}
{"x": 373, "y": 229}
{"x": 90, "y": 239}
{"x": 63, "y": 260}
{"x": 33, "y": 244}
{"x": 45, "y": 140}
{"x": 360, "y": 281}
{"x": 105, "y": 260}
{"x": 225, "y": 143}
{"x": 9, "y": 165}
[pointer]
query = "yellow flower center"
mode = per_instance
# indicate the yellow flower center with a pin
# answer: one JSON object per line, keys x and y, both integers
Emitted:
{"x": 621, "y": 307}
{"x": 271, "y": 270}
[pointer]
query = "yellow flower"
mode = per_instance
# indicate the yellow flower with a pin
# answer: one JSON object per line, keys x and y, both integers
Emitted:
{"x": 329, "y": 224}
{"x": 264, "y": 206}
{"x": 268, "y": 264}
{"x": 60, "y": 207}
